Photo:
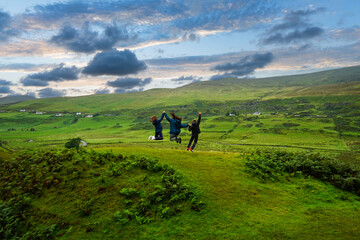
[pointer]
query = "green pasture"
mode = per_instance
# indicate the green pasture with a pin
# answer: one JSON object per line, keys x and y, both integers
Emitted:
{"x": 240, "y": 207}
{"x": 316, "y": 113}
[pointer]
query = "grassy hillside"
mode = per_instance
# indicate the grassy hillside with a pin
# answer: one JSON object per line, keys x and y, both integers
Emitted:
{"x": 343, "y": 81}
{"x": 291, "y": 172}
{"x": 14, "y": 99}
{"x": 102, "y": 195}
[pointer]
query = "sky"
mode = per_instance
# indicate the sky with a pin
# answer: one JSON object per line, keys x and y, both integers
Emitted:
{"x": 53, "y": 48}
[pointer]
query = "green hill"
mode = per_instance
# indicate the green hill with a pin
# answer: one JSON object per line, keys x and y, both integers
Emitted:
{"x": 344, "y": 81}
{"x": 14, "y": 99}
{"x": 283, "y": 165}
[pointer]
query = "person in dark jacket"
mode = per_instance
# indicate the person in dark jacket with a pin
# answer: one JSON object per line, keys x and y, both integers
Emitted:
{"x": 195, "y": 131}
{"x": 175, "y": 127}
{"x": 158, "y": 128}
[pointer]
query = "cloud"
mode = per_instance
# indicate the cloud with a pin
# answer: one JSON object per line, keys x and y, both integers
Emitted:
{"x": 295, "y": 27}
{"x": 5, "y": 83}
{"x": 50, "y": 92}
{"x": 183, "y": 79}
{"x": 151, "y": 19}
{"x": 5, "y": 89}
{"x": 31, "y": 94}
{"x": 190, "y": 37}
{"x": 223, "y": 15}
{"x": 129, "y": 83}
{"x": 58, "y": 74}
{"x": 137, "y": 10}
{"x": 349, "y": 34}
{"x": 221, "y": 76}
{"x": 86, "y": 40}
{"x": 19, "y": 66}
{"x": 307, "y": 33}
{"x": 102, "y": 91}
{"x": 296, "y": 19}
{"x": 6, "y": 30}
{"x": 245, "y": 66}
{"x": 114, "y": 62}
{"x": 121, "y": 90}
{"x": 27, "y": 81}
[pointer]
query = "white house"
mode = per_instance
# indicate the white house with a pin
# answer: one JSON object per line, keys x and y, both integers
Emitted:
{"x": 257, "y": 113}
{"x": 39, "y": 113}
{"x": 22, "y": 110}
{"x": 78, "y": 114}
{"x": 89, "y": 116}
{"x": 231, "y": 114}
{"x": 58, "y": 115}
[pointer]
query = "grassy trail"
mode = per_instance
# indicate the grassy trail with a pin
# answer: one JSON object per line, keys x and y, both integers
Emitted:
{"x": 239, "y": 207}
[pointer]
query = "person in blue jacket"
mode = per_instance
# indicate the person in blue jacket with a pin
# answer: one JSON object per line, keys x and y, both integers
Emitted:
{"x": 158, "y": 128}
{"x": 175, "y": 127}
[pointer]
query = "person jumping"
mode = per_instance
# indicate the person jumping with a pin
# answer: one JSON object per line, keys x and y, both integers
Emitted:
{"x": 158, "y": 128}
{"x": 175, "y": 127}
{"x": 195, "y": 131}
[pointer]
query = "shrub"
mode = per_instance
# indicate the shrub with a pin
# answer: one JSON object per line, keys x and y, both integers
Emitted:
{"x": 270, "y": 165}
{"x": 73, "y": 143}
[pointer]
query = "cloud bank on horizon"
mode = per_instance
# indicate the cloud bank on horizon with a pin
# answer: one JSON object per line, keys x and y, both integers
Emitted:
{"x": 69, "y": 48}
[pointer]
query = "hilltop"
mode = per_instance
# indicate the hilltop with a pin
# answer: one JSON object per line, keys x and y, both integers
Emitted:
{"x": 14, "y": 99}
{"x": 344, "y": 81}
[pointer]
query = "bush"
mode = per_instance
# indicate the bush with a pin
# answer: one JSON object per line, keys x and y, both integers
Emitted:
{"x": 270, "y": 165}
{"x": 34, "y": 172}
{"x": 73, "y": 143}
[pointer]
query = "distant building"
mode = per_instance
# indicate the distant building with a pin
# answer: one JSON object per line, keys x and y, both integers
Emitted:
{"x": 89, "y": 116}
{"x": 58, "y": 115}
{"x": 231, "y": 114}
{"x": 39, "y": 113}
{"x": 257, "y": 113}
{"x": 78, "y": 114}
{"x": 22, "y": 110}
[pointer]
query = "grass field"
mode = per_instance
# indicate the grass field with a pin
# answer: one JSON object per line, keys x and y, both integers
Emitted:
{"x": 84, "y": 199}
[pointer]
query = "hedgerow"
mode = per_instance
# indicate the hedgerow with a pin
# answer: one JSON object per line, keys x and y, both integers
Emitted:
{"x": 271, "y": 165}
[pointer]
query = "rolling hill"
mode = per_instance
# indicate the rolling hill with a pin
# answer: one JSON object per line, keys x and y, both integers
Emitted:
{"x": 344, "y": 81}
{"x": 14, "y": 99}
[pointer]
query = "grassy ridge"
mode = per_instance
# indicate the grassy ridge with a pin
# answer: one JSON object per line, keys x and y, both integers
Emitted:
{"x": 340, "y": 81}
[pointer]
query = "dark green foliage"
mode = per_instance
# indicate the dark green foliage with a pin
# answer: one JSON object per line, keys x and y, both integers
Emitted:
{"x": 73, "y": 143}
{"x": 3, "y": 143}
{"x": 162, "y": 200}
{"x": 291, "y": 124}
{"x": 31, "y": 174}
{"x": 271, "y": 165}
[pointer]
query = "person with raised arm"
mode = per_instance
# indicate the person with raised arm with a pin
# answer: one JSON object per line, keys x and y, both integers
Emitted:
{"x": 195, "y": 131}
{"x": 175, "y": 126}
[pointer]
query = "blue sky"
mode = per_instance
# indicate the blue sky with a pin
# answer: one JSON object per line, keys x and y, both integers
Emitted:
{"x": 75, "y": 47}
